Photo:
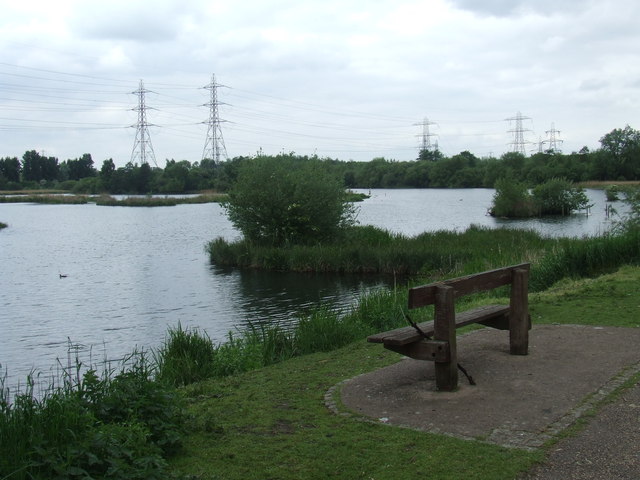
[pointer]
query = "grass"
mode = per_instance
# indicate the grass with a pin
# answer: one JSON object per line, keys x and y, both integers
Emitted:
{"x": 273, "y": 423}
{"x": 48, "y": 199}
{"x": 367, "y": 249}
{"x": 116, "y": 425}
{"x": 263, "y": 415}
{"x": 3, "y": 225}
{"x": 106, "y": 200}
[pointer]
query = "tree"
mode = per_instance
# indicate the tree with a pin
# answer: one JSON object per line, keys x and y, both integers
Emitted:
{"x": 286, "y": 200}
{"x": 623, "y": 147}
{"x": 558, "y": 196}
{"x": 10, "y": 169}
{"x": 80, "y": 167}
{"x": 36, "y": 167}
{"x": 512, "y": 199}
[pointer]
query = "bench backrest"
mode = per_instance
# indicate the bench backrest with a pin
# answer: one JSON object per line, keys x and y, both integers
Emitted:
{"x": 426, "y": 294}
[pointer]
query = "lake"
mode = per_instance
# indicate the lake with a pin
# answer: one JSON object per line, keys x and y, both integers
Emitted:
{"x": 132, "y": 272}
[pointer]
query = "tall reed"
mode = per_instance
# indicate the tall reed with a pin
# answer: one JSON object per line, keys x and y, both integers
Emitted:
{"x": 117, "y": 424}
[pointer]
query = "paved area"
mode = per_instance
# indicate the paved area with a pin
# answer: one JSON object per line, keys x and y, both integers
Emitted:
{"x": 522, "y": 401}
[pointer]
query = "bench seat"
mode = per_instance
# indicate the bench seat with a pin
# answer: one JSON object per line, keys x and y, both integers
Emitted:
{"x": 496, "y": 316}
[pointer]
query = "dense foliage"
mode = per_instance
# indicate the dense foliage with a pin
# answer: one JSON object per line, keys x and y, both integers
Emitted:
{"x": 556, "y": 196}
{"x": 278, "y": 201}
{"x": 617, "y": 159}
{"x": 115, "y": 425}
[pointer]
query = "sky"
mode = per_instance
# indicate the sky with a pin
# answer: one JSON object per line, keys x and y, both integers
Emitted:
{"x": 345, "y": 79}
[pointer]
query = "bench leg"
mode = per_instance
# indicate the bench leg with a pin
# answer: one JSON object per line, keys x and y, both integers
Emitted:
{"x": 519, "y": 314}
{"x": 445, "y": 330}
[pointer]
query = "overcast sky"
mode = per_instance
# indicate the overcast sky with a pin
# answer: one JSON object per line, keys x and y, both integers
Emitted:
{"x": 338, "y": 78}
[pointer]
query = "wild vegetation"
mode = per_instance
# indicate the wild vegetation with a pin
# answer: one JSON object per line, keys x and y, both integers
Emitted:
{"x": 273, "y": 422}
{"x": 115, "y": 424}
{"x": 107, "y": 200}
{"x": 556, "y": 196}
{"x": 617, "y": 160}
{"x": 281, "y": 202}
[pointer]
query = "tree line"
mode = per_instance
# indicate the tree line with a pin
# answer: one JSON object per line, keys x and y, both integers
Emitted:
{"x": 617, "y": 159}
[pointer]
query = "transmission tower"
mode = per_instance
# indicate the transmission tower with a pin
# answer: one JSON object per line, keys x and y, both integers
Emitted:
{"x": 519, "y": 143}
{"x": 214, "y": 145}
{"x": 553, "y": 141}
{"x": 425, "y": 144}
{"x": 142, "y": 148}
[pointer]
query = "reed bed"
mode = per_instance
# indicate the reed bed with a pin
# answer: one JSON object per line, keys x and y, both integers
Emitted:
{"x": 115, "y": 424}
{"x": 47, "y": 199}
{"x": 372, "y": 250}
{"x": 109, "y": 201}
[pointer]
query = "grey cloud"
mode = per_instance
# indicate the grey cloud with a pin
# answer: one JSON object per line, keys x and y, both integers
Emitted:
{"x": 507, "y": 8}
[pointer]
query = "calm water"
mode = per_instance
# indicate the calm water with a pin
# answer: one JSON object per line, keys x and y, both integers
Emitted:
{"x": 133, "y": 272}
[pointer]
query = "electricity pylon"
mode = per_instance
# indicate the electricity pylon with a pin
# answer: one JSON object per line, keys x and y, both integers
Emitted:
{"x": 142, "y": 148}
{"x": 519, "y": 143}
{"x": 552, "y": 140}
{"x": 214, "y": 145}
{"x": 425, "y": 144}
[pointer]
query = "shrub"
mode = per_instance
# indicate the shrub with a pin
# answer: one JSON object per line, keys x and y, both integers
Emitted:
{"x": 558, "y": 196}
{"x": 91, "y": 426}
{"x": 512, "y": 199}
{"x": 284, "y": 200}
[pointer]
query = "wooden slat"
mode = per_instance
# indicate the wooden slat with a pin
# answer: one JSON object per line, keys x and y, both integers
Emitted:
{"x": 445, "y": 331}
{"x": 519, "y": 319}
{"x": 431, "y": 350}
{"x": 479, "y": 282}
{"x": 405, "y": 335}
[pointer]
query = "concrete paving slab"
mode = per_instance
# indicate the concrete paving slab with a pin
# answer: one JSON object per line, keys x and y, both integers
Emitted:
{"x": 518, "y": 401}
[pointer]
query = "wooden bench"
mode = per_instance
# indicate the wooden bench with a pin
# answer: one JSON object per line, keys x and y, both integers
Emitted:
{"x": 436, "y": 340}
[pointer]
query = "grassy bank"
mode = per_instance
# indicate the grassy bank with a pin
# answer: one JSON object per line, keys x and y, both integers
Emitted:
{"x": 256, "y": 409}
{"x": 273, "y": 423}
{"x": 434, "y": 255}
{"x": 48, "y": 199}
{"x": 118, "y": 424}
{"x": 255, "y": 402}
{"x": 107, "y": 200}
{"x": 367, "y": 249}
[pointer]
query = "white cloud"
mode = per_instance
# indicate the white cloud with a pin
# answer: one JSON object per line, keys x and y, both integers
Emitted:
{"x": 348, "y": 78}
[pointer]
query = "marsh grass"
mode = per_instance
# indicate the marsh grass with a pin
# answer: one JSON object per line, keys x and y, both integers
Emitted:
{"x": 114, "y": 424}
{"x": 47, "y": 199}
{"x": 186, "y": 356}
{"x": 367, "y": 249}
{"x": 149, "y": 201}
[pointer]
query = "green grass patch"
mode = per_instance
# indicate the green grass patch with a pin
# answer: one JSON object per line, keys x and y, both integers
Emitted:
{"x": 273, "y": 423}
{"x": 118, "y": 424}
{"x": 611, "y": 299}
{"x": 48, "y": 199}
{"x": 109, "y": 201}
{"x": 367, "y": 249}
